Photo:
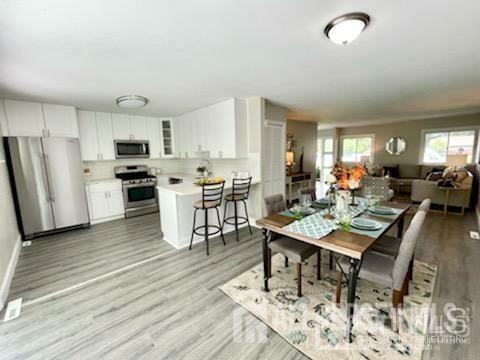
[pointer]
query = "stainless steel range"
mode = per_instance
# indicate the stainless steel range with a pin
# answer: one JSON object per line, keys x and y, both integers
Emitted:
{"x": 139, "y": 190}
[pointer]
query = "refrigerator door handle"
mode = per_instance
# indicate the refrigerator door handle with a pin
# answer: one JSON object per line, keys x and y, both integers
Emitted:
{"x": 44, "y": 177}
{"x": 49, "y": 178}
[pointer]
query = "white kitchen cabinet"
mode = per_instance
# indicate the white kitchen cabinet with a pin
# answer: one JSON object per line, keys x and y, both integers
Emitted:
{"x": 87, "y": 128}
{"x": 129, "y": 127}
{"x": 154, "y": 137}
{"x": 60, "y": 120}
{"x": 138, "y": 127}
{"x": 105, "y": 201}
{"x": 220, "y": 129}
{"x": 121, "y": 127}
{"x": 24, "y": 118}
{"x": 116, "y": 204}
{"x": 106, "y": 146}
{"x": 167, "y": 137}
{"x": 98, "y": 206}
{"x": 96, "y": 136}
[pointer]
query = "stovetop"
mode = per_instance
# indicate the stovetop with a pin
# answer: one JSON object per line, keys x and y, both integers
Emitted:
{"x": 134, "y": 176}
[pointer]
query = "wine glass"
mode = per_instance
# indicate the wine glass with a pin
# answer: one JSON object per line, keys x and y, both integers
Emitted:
{"x": 306, "y": 200}
{"x": 367, "y": 192}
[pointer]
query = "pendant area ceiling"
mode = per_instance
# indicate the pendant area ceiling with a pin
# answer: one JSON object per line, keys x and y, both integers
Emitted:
{"x": 415, "y": 59}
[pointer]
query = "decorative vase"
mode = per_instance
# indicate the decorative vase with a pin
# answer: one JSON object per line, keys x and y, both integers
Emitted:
{"x": 342, "y": 200}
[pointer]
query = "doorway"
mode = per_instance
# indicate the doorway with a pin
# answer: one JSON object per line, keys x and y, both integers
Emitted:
{"x": 324, "y": 163}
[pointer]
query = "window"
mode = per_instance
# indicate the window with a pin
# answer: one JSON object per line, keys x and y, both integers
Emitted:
{"x": 357, "y": 148}
{"x": 438, "y": 144}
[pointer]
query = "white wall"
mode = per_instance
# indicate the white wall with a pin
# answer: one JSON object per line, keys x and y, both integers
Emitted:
{"x": 9, "y": 235}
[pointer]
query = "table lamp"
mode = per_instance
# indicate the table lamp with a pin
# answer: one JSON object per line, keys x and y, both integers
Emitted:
{"x": 289, "y": 160}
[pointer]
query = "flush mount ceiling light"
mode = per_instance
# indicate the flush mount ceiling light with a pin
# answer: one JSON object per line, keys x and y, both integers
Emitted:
{"x": 132, "y": 101}
{"x": 346, "y": 28}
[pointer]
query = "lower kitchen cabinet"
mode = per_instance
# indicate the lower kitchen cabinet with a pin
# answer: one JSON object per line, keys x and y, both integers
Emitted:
{"x": 105, "y": 201}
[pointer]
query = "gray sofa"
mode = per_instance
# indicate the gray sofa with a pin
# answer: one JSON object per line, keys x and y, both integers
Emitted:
{"x": 402, "y": 179}
{"x": 423, "y": 189}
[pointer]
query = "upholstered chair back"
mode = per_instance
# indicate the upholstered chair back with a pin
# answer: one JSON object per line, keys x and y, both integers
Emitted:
{"x": 379, "y": 186}
{"x": 407, "y": 247}
{"x": 308, "y": 191}
{"x": 274, "y": 204}
{"x": 425, "y": 205}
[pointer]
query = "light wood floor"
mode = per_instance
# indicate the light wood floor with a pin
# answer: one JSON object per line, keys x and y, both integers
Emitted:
{"x": 170, "y": 307}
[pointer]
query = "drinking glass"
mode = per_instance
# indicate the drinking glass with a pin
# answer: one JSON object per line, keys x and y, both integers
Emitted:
{"x": 367, "y": 192}
{"x": 306, "y": 200}
{"x": 344, "y": 218}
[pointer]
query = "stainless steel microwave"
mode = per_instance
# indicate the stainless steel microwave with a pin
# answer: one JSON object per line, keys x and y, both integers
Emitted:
{"x": 131, "y": 149}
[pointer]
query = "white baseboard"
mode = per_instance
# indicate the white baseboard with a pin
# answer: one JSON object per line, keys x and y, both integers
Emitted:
{"x": 185, "y": 242}
{"x": 110, "y": 218}
{"x": 7, "y": 280}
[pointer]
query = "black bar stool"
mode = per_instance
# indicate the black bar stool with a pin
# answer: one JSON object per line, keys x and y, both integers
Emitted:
{"x": 211, "y": 199}
{"x": 240, "y": 192}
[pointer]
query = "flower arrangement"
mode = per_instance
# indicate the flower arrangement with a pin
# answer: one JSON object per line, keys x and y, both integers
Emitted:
{"x": 344, "y": 178}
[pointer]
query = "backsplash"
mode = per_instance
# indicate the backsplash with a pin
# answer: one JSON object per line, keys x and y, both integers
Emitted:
{"x": 220, "y": 167}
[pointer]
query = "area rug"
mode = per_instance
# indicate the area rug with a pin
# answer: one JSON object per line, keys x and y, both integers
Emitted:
{"x": 316, "y": 326}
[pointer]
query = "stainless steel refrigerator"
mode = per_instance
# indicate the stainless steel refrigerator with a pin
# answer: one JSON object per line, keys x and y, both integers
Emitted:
{"x": 47, "y": 181}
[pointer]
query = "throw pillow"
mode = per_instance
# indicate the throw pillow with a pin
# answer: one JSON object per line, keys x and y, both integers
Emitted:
{"x": 439, "y": 169}
{"x": 446, "y": 183}
{"x": 460, "y": 176}
{"x": 434, "y": 176}
{"x": 391, "y": 171}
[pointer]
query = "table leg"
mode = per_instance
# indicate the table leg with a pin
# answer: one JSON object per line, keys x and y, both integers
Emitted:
{"x": 445, "y": 204}
{"x": 400, "y": 225}
{"x": 265, "y": 258}
{"x": 352, "y": 285}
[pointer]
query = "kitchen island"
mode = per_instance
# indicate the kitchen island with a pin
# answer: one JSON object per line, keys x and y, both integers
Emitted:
{"x": 176, "y": 208}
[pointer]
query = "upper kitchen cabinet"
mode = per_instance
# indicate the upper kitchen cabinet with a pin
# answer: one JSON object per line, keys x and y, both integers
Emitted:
{"x": 167, "y": 137}
{"x": 60, "y": 120}
{"x": 106, "y": 146}
{"x": 154, "y": 137}
{"x": 87, "y": 128}
{"x": 121, "y": 127}
{"x": 129, "y": 127}
{"x": 138, "y": 127}
{"x": 220, "y": 129}
{"x": 25, "y": 118}
{"x": 96, "y": 136}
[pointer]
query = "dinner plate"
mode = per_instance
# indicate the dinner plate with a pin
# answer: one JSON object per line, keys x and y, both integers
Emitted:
{"x": 366, "y": 224}
{"x": 303, "y": 210}
{"x": 382, "y": 210}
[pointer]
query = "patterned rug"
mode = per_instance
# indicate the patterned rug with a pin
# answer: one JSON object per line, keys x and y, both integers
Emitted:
{"x": 316, "y": 326}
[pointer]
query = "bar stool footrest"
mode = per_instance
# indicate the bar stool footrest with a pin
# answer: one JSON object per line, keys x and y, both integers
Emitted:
{"x": 219, "y": 229}
{"x": 240, "y": 220}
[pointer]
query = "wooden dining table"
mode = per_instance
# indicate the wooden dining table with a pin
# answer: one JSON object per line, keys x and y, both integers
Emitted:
{"x": 341, "y": 242}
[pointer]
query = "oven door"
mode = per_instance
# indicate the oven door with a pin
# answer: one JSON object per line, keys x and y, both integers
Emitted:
{"x": 131, "y": 149}
{"x": 138, "y": 195}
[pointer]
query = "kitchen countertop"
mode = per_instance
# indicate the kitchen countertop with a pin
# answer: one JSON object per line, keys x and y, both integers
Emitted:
{"x": 99, "y": 180}
{"x": 187, "y": 187}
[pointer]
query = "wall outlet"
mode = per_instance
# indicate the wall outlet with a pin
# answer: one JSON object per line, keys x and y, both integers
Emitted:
{"x": 14, "y": 308}
{"x": 475, "y": 235}
{"x": 26, "y": 243}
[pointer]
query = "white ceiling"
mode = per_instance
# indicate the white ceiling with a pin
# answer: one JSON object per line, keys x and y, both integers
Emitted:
{"x": 417, "y": 58}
